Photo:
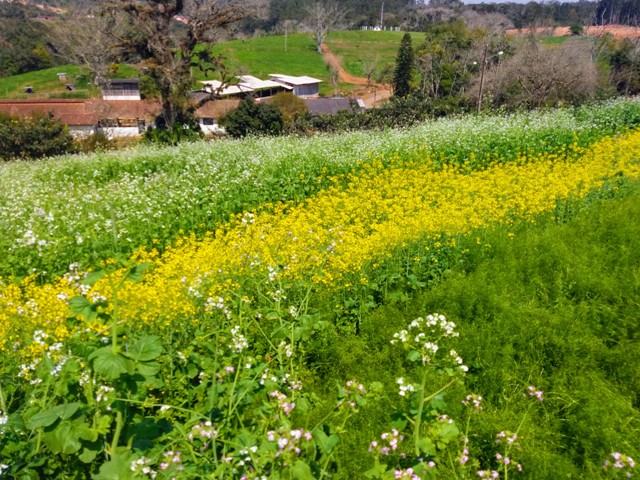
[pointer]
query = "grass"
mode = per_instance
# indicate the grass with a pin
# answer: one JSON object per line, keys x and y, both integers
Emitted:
{"x": 555, "y": 307}
{"x": 354, "y": 48}
{"x": 46, "y": 84}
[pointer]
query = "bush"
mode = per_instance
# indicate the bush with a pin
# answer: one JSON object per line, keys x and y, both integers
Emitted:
{"x": 33, "y": 137}
{"x": 289, "y": 105}
{"x": 251, "y": 118}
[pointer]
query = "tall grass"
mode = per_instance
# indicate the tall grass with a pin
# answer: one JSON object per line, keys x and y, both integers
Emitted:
{"x": 555, "y": 306}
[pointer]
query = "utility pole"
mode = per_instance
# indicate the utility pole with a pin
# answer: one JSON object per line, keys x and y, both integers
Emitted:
{"x": 485, "y": 62}
{"x": 484, "y": 67}
{"x": 382, "y": 17}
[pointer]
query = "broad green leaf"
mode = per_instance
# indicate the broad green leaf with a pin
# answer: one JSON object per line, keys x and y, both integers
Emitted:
{"x": 148, "y": 369}
{"x": 81, "y": 306}
{"x": 87, "y": 455}
{"x": 48, "y": 417}
{"x": 93, "y": 277}
{"x": 63, "y": 439}
{"x": 414, "y": 356}
{"x": 301, "y": 471}
{"x": 145, "y": 349}
{"x": 376, "y": 471}
{"x": 136, "y": 272}
{"x": 326, "y": 442}
{"x": 118, "y": 468}
{"x": 42, "y": 419}
{"x": 110, "y": 364}
{"x": 426, "y": 446}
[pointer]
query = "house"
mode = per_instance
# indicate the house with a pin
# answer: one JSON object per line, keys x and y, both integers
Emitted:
{"x": 123, "y": 118}
{"x": 121, "y": 89}
{"x": 304, "y": 86}
{"x": 118, "y": 118}
{"x": 247, "y": 85}
{"x": 331, "y": 106}
{"x": 73, "y": 113}
{"x": 210, "y": 112}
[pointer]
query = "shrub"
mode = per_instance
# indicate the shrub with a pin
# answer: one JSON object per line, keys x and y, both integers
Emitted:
{"x": 251, "y": 118}
{"x": 289, "y": 105}
{"x": 33, "y": 137}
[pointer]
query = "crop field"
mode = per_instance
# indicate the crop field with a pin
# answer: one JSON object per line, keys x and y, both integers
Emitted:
{"x": 266, "y": 308}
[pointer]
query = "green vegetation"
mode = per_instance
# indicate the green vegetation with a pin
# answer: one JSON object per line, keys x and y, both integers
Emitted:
{"x": 225, "y": 349}
{"x": 34, "y": 137}
{"x": 46, "y": 84}
{"x": 354, "y": 48}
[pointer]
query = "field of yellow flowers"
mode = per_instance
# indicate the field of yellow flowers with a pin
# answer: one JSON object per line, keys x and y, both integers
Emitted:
{"x": 198, "y": 351}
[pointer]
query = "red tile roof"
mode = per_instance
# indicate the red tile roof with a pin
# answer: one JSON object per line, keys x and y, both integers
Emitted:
{"x": 81, "y": 112}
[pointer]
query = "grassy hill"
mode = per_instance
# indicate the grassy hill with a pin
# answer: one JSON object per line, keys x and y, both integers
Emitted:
{"x": 46, "y": 85}
{"x": 293, "y": 55}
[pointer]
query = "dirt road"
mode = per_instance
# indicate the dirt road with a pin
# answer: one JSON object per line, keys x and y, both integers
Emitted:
{"x": 372, "y": 95}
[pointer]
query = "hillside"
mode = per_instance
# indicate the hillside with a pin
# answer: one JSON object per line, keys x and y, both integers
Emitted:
{"x": 293, "y": 55}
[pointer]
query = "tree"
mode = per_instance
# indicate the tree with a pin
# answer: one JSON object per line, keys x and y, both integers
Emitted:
{"x": 169, "y": 31}
{"x": 82, "y": 38}
{"x": 323, "y": 18}
{"x": 251, "y": 118}
{"x": 33, "y": 137}
{"x": 289, "y": 105}
{"x": 539, "y": 76}
{"x": 404, "y": 68}
{"x": 446, "y": 57}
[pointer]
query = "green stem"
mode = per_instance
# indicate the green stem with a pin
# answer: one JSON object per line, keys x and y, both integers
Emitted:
{"x": 423, "y": 401}
{"x": 116, "y": 434}
{"x": 418, "y": 424}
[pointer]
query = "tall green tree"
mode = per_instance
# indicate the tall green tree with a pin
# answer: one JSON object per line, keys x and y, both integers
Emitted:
{"x": 168, "y": 32}
{"x": 404, "y": 68}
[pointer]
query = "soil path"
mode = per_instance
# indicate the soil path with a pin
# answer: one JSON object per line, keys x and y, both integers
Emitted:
{"x": 617, "y": 31}
{"x": 372, "y": 95}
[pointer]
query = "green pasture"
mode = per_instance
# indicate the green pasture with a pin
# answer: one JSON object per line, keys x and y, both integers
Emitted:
{"x": 46, "y": 84}
{"x": 355, "y": 48}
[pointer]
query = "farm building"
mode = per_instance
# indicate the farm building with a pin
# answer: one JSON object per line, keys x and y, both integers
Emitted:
{"x": 301, "y": 86}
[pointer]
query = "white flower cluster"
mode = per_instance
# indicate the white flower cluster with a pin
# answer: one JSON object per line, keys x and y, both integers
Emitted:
{"x": 141, "y": 465}
{"x": 217, "y": 303}
{"x": 239, "y": 342}
{"x": 404, "y": 388}
{"x": 102, "y": 395}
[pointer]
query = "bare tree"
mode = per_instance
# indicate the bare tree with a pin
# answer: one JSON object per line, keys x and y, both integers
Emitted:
{"x": 82, "y": 39}
{"x": 323, "y": 18}
{"x": 169, "y": 31}
{"x": 542, "y": 76}
{"x": 369, "y": 68}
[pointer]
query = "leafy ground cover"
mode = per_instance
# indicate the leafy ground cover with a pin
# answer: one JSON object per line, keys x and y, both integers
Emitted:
{"x": 297, "y": 339}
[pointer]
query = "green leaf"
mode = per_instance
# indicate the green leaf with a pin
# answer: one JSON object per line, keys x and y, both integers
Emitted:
{"x": 81, "y": 306}
{"x": 110, "y": 364}
{"x": 302, "y": 471}
{"x": 87, "y": 455}
{"x": 49, "y": 417}
{"x": 63, "y": 439}
{"x": 93, "y": 277}
{"x": 145, "y": 349}
{"x": 118, "y": 468}
{"x": 324, "y": 441}
{"x": 148, "y": 369}
{"x": 376, "y": 471}
{"x": 414, "y": 356}
{"x": 426, "y": 446}
{"x": 136, "y": 272}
